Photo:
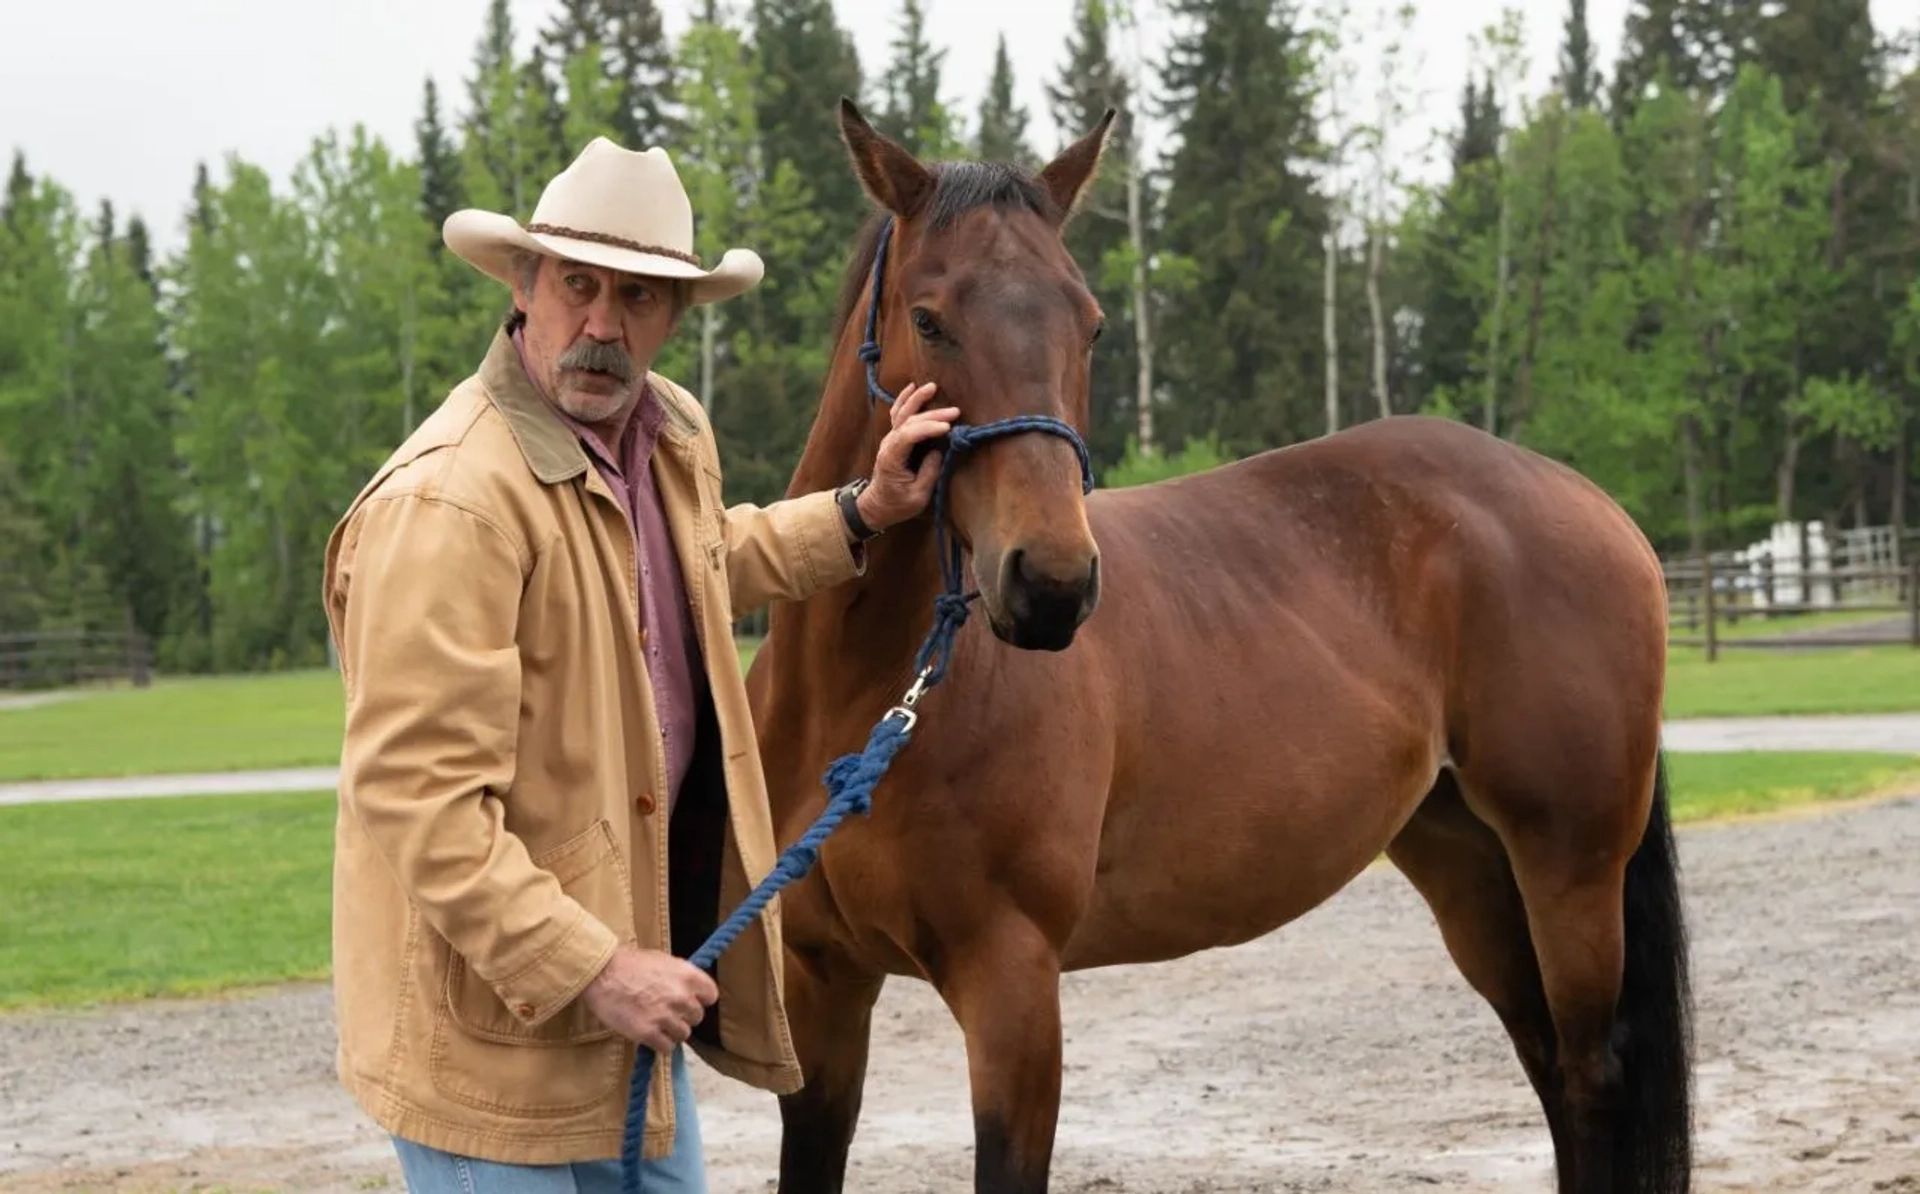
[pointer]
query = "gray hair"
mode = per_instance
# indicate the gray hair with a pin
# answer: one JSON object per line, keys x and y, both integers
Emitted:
{"x": 526, "y": 267}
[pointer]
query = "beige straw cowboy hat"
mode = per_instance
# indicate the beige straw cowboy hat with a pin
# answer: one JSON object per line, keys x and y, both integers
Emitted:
{"x": 613, "y": 207}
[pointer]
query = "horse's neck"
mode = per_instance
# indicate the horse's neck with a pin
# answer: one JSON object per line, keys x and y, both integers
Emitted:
{"x": 874, "y": 623}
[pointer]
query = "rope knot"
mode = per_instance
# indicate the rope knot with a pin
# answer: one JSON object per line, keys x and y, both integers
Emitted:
{"x": 953, "y": 608}
{"x": 869, "y": 352}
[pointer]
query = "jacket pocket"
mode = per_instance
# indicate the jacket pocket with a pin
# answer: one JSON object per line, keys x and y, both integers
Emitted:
{"x": 485, "y": 1058}
{"x": 589, "y": 868}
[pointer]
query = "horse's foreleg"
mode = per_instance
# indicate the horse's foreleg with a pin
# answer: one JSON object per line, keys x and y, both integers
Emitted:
{"x": 1005, "y": 992}
{"x": 830, "y": 1008}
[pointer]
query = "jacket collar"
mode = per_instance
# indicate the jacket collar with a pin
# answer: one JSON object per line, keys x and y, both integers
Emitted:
{"x": 551, "y": 448}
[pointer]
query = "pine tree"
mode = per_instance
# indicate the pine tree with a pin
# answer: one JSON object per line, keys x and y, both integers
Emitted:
{"x": 1699, "y": 43}
{"x": 545, "y": 113}
{"x": 1243, "y": 342}
{"x": 440, "y": 192}
{"x": 19, "y": 192}
{"x": 912, "y": 111}
{"x": 1452, "y": 307}
{"x": 135, "y": 539}
{"x": 1579, "y": 79}
{"x": 492, "y": 64}
{"x": 639, "y": 61}
{"x": 1003, "y": 121}
{"x": 577, "y": 25}
{"x": 1089, "y": 83}
{"x": 139, "y": 246}
{"x": 804, "y": 63}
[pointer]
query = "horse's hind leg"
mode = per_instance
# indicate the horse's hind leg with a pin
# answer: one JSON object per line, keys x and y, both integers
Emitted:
{"x": 1460, "y": 868}
{"x": 1601, "y": 890}
{"x": 1003, "y": 987}
{"x": 830, "y": 1007}
{"x": 1592, "y": 860}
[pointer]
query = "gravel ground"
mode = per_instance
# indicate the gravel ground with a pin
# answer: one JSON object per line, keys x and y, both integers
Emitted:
{"x": 1342, "y": 1053}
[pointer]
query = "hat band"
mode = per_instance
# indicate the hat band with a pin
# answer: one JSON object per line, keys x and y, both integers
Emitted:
{"x": 618, "y": 242}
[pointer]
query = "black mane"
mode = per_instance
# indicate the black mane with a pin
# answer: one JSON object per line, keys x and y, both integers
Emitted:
{"x": 958, "y": 188}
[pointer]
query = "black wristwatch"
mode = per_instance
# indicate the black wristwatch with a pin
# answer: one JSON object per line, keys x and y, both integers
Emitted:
{"x": 848, "y": 496}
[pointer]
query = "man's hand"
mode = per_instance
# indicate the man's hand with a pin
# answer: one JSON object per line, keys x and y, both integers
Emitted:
{"x": 650, "y": 997}
{"x": 898, "y": 493}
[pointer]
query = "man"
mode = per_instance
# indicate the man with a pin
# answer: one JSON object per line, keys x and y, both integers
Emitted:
{"x": 550, "y": 789}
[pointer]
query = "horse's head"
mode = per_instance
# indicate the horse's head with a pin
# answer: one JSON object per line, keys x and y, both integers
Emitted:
{"x": 981, "y": 297}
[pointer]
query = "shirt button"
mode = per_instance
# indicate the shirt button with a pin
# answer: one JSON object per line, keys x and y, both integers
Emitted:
{"x": 525, "y": 1010}
{"x": 644, "y": 802}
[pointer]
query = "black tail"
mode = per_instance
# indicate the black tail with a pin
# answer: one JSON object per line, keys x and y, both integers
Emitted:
{"x": 1653, "y": 1136}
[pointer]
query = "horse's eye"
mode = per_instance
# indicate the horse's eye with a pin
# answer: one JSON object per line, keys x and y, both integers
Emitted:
{"x": 1099, "y": 330}
{"x": 925, "y": 323}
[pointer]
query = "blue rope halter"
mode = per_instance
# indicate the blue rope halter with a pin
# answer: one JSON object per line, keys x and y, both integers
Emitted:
{"x": 851, "y": 779}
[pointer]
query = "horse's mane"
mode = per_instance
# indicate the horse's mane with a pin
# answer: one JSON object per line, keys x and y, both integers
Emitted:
{"x": 958, "y": 188}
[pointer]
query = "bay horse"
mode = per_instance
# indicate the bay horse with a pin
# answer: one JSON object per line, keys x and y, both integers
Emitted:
{"x": 1197, "y": 709}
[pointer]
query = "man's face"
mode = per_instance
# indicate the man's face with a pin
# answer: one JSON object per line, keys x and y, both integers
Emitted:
{"x": 592, "y": 333}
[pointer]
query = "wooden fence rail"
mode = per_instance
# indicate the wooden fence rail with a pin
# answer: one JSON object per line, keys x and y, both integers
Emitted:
{"x": 1708, "y": 594}
{"x": 62, "y": 658}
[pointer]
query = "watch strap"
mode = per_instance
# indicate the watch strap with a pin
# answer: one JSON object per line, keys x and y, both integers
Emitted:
{"x": 848, "y": 497}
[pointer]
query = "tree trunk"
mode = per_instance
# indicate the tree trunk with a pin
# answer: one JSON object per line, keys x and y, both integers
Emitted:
{"x": 709, "y": 339}
{"x": 409, "y": 338}
{"x": 1330, "y": 332}
{"x": 1142, "y": 329}
{"x": 1536, "y": 301}
{"x": 1784, "y": 476}
{"x": 1897, "y": 501}
{"x": 1690, "y": 460}
{"x": 1376, "y": 265}
{"x": 1499, "y": 311}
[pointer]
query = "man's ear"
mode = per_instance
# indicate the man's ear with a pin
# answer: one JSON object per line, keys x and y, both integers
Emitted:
{"x": 1066, "y": 176}
{"x": 890, "y": 174}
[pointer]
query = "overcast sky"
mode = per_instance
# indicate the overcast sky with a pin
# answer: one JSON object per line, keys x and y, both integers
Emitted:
{"x": 121, "y": 98}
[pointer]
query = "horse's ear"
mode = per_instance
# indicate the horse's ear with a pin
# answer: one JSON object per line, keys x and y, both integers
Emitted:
{"x": 893, "y": 176}
{"x": 1066, "y": 177}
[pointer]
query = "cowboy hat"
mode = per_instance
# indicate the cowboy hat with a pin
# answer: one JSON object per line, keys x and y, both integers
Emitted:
{"x": 612, "y": 207}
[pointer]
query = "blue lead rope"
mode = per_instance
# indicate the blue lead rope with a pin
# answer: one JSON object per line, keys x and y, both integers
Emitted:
{"x": 851, "y": 779}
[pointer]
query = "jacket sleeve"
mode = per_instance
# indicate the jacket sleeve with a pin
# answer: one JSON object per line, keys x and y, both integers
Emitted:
{"x": 426, "y": 614}
{"x": 787, "y": 550}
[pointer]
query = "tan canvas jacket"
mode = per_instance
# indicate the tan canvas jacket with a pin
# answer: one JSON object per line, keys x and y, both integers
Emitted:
{"x": 499, "y": 821}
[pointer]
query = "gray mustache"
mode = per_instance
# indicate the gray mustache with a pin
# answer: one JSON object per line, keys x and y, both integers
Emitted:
{"x": 600, "y": 358}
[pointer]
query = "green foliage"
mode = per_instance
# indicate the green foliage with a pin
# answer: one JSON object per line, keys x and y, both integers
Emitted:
{"x": 1706, "y": 298}
{"x": 912, "y": 109}
{"x": 1002, "y": 136}
{"x": 1089, "y": 82}
{"x": 1136, "y": 468}
{"x": 1241, "y": 344}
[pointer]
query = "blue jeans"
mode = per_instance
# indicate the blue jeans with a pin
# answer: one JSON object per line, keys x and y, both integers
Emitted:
{"x": 430, "y": 1171}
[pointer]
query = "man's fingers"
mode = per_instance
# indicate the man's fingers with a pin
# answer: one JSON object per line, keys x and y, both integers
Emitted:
{"x": 909, "y": 402}
{"x": 922, "y": 427}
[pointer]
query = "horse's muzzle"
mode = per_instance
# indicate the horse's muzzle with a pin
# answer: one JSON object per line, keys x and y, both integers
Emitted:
{"x": 1044, "y": 604}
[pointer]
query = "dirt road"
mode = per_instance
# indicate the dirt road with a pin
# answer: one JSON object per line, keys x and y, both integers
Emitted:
{"x": 1343, "y": 1053}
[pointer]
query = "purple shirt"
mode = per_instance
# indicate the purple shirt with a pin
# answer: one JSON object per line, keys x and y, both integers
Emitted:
{"x": 666, "y": 621}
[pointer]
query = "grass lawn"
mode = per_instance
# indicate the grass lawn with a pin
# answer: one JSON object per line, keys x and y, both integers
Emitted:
{"x": 1753, "y": 682}
{"x": 216, "y": 723}
{"x": 1708, "y": 786}
{"x": 123, "y": 899}
{"x": 170, "y": 895}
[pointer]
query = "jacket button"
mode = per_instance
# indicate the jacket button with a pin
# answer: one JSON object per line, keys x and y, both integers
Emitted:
{"x": 644, "y": 802}
{"x": 525, "y": 1010}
